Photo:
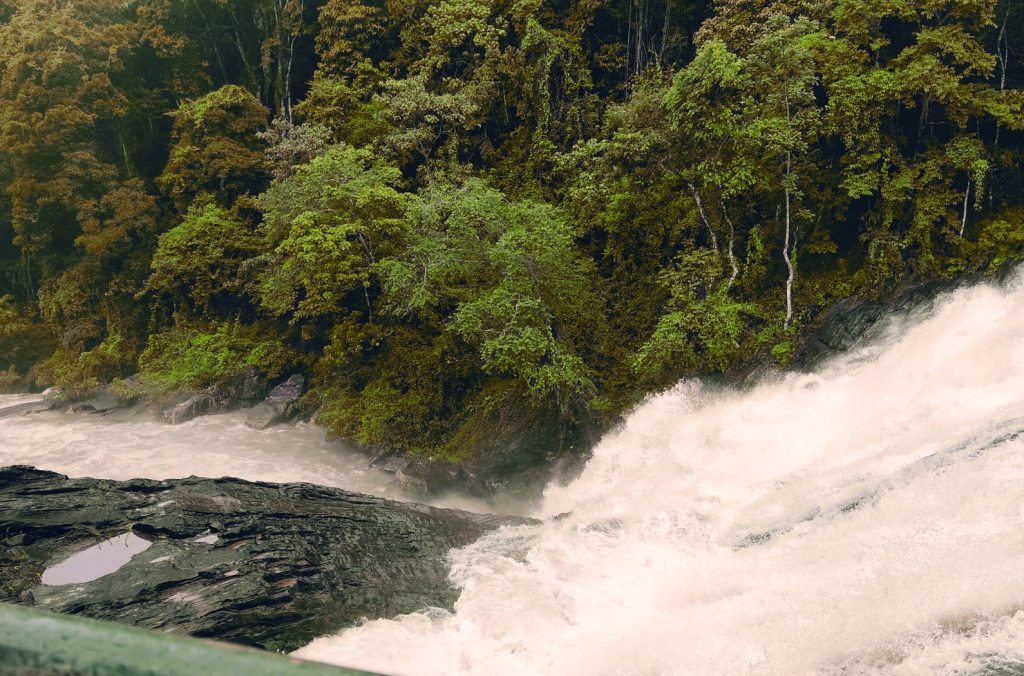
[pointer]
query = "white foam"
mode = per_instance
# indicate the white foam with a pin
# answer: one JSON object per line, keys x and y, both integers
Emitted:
{"x": 82, "y": 445}
{"x": 883, "y": 494}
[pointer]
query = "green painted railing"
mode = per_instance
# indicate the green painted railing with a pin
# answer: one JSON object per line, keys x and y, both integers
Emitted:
{"x": 37, "y": 642}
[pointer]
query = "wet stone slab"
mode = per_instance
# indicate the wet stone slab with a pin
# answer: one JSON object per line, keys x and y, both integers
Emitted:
{"x": 269, "y": 565}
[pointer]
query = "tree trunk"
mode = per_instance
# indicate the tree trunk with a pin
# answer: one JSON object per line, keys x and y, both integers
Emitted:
{"x": 704, "y": 216}
{"x": 963, "y": 220}
{"x": 732, "y": 259}
{"x": 785, "y": 252}
{"x": 664, "y": 33}
{"x": 1003, "y": 57}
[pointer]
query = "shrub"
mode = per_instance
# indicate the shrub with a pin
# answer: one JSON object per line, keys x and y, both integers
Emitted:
{"x": 199, "y": 355}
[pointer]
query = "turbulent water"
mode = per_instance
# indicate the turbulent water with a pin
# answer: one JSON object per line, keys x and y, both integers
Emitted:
{"x": 211, "y": 446}
{"x": 866, "y": 518}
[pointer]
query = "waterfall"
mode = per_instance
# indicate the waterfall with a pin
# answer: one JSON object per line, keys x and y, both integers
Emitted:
{"x": 867, "y": 517}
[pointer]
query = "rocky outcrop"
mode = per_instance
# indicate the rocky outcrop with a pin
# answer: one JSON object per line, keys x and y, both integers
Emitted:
{"x": 246, "y": 389}
{"x": 852, "y": 320}
{"x": 269, "y": 565}
{"x": 103, "y": 399}
{"x": 515, "y": 464}
{"x": 243, "y": 390}
{"x": 27, "y": 408}
{"x": 281, "y": 405}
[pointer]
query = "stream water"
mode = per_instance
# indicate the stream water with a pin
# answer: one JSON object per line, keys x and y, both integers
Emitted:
{"x": 865, "y": 518}
{"x": 82, "y": 445}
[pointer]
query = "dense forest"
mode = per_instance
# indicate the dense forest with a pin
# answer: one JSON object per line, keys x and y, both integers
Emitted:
{"x": 460, "y": 217}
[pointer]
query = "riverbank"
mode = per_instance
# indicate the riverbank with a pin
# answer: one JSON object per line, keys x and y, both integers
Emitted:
{"x": 508, "y": 478}
{"x": 774, "y": 504}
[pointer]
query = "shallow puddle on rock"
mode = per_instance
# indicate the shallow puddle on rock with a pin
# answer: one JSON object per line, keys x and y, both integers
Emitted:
{"x": 96, "y": 561}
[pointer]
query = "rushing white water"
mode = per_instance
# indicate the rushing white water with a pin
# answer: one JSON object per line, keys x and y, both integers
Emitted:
{"x": 96, "y": 446}
{"x": 220, "y": 445}
{"x": 867, "y": 518}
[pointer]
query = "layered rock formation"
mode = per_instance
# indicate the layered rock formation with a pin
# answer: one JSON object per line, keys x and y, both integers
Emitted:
{"x": 269, "y": 565}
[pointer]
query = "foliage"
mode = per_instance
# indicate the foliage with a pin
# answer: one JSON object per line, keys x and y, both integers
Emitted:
{"x": 1000, "y": 241}
{"x": 463, "y": 218}
{"x": 505, "y": 278}
{"x": 77, "y": 372}
{"x": 198, "y": 355}
{"x": 22, "y": 342}
{"x": 703, "y": 328}
{"x": 198, "y": 261}
{"x": 325, "y": 227}
{"x": 217, "y": 148}
{"x": 291, "y": 145}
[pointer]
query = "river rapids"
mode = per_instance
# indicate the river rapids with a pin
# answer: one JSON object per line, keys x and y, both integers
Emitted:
{"x": 864, "y": 518}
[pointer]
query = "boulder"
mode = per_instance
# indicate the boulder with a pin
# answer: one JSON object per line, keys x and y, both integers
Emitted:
{"x": 53, "y": 393}
{"x": 280, "y": 405}
{"x": 268, "y": 565}
{"x": 854, "y": 320}
{"x": 247, "y": 385}
{"x": 28, "y": 408}
{"x": 104, "y": 399}
{"x": 242, "y": 390}
{"x": 390, "y": 462}
{"x": 190, "y": 406}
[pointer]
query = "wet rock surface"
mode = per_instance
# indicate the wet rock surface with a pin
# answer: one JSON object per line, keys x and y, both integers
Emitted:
{"x": 243, "y": 390}
{"x": 852, "y": 320}
{"x": 28, "y": 408}
{"x": 131, "y": 399}
{"x": 281, "y": 405}
{"x": 269, "y": 565}
{"x": 516, "y": 464}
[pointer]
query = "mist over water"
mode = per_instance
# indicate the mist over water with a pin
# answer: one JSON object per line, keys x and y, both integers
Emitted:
{"x": 867, "y": 518}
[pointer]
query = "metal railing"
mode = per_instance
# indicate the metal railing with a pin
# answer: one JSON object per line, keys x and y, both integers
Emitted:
{"x": 39, "y": 642}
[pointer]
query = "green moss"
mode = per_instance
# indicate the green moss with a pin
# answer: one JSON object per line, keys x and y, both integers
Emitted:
{"x": 11, "y": 381}
{"x": 199, "y": 355}
{"x": 495, "y": 413}
{"x": 128, "y": 390}
{"x": 80, "y": 372}
{"x": 782, "y": 352}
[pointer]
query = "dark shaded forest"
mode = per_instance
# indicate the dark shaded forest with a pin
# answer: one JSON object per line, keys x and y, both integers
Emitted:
{"x": 462, "y": 218}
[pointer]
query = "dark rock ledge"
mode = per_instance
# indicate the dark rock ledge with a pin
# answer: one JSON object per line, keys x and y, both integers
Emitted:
{"x": 244, "y": 390}
{"x": 268, "y": 565}
{"x": 249, "y": 389}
